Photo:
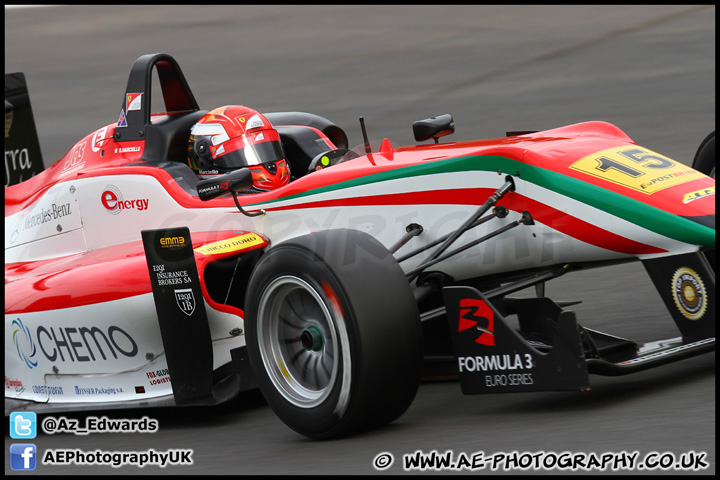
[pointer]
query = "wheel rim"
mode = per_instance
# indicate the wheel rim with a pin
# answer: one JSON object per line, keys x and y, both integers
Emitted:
{"x": 297, "y": 341}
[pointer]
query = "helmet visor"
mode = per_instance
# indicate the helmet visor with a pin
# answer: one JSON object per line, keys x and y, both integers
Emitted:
{"x": 248, "y": 150}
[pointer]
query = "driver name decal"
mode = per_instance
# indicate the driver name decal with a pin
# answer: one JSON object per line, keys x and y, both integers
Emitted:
{"x": 637, "y": 168}
{"x": 134, "y": 149}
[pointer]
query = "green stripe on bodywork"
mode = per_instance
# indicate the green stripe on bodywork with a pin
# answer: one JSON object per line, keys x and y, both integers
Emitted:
{"x": 457, "y": 164}
{"x": 634, "y": 211}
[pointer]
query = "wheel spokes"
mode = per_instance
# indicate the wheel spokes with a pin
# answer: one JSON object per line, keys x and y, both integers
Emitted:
{"x": 297, "y": 341}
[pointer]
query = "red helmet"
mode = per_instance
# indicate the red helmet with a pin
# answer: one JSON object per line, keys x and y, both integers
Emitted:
{"x": 233, "y": 137}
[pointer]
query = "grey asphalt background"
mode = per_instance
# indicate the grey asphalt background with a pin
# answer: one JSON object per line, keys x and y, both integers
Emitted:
{"x": 648, "y": 69}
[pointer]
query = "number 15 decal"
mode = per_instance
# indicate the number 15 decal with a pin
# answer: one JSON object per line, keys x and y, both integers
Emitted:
{"x": 637, "y": 168}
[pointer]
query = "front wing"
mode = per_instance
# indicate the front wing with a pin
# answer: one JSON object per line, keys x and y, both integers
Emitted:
{"x": 550, "y": 351}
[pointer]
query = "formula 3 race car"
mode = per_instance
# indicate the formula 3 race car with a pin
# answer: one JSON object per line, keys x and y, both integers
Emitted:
{"x": 129, "y": 282}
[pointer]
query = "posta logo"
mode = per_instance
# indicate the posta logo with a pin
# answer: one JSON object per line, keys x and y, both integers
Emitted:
{"x": 476, "y": 313}
{"x": 113, "y": 201}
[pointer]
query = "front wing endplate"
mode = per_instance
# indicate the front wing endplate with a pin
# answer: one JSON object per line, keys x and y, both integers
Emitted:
{"x": 493, "y": 358}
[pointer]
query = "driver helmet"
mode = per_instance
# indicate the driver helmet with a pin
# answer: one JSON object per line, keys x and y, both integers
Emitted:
{"x": 235, "y": 136}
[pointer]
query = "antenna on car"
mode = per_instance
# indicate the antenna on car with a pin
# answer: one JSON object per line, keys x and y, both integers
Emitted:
{"x": 365, "y": 137}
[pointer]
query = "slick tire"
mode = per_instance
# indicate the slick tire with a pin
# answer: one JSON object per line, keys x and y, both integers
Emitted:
{"x": 704, "y": 160}
{"x": 333, "y": 334}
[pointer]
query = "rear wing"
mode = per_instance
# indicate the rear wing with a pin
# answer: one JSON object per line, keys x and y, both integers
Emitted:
{"x": 23, "y": 157}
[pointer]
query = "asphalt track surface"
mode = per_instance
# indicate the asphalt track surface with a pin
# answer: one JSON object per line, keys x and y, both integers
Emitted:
{"x": 648, "y": 69}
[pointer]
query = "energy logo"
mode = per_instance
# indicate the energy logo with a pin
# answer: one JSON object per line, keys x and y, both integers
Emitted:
{"x": 110, "y": 198}
{"x": 478, "y": 314}
{"x": 24, "y": 343}
{"x": 114, "y": 203}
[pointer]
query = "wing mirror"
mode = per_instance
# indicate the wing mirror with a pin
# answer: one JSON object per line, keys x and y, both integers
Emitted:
{"x": 235, "y": 181}
{"x": 434, "y": 127}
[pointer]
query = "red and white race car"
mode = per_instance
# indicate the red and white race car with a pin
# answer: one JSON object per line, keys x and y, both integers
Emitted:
{"x": 131, "y": 282}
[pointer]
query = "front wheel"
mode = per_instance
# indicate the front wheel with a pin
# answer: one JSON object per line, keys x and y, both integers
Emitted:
{"x": 704, "y": 160}
{"x": 333, "y": 333}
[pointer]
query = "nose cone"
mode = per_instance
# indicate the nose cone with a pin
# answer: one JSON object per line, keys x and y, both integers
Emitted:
{"x": 698, "y": 208}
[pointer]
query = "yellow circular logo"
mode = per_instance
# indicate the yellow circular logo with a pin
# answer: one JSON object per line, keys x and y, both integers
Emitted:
{"x": 689, "y": 293}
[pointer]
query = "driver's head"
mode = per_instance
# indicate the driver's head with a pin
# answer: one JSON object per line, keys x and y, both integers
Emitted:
{"x": 233, "y": 137}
